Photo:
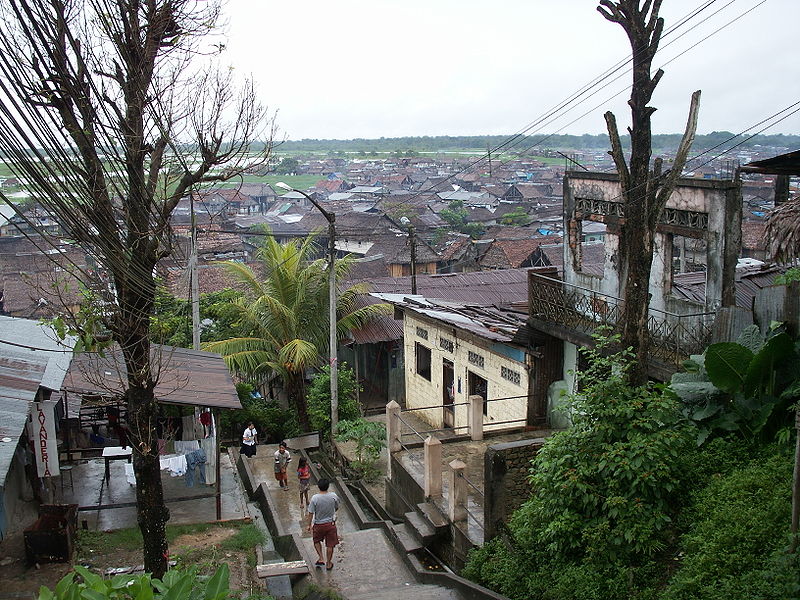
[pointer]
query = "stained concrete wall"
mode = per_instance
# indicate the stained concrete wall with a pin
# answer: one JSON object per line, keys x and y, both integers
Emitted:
{"x": 506, "y": 487}
{"x": 421, "y": 392}
{"x": 403, "y": 492}
{"x": 719, "y": 200}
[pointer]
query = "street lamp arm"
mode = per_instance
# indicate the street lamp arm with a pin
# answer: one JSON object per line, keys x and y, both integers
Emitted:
{"x": 328, "y": 215}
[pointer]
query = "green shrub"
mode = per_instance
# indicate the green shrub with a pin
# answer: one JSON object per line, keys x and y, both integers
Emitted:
{"x": 370, "y": 439}
{"x": 606, "y": 495}
{"x": 177, "y": 584}
{"x": 736, "y": 543}
{"x": 606, "y": 489}
{"x": 319, "y": 399}
{"x": 272, "y": 421}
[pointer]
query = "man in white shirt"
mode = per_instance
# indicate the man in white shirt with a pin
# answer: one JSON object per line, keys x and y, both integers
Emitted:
{"x": 249, "y": 438}
{"x": 322, "y": 522}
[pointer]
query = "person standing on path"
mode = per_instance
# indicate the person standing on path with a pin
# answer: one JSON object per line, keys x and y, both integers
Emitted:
{"x": 322, "y": 522}
{"x": 282, "y": 460}
{"x": 304, "y": 478}
{"x": 249, "y": 438}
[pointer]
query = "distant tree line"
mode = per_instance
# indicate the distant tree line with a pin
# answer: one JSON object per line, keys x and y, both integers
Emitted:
{"x": 542, "y": 144}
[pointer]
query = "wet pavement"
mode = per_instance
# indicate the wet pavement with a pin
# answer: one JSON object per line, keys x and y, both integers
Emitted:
{"x": 112, "y": 505}
{"x": 287, "y": 503}
{"x": 364, "y": 561}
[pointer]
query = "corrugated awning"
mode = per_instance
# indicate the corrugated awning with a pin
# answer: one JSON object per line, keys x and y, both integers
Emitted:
{"x": 783, "y": 164}
{"x": 189, "y": 377}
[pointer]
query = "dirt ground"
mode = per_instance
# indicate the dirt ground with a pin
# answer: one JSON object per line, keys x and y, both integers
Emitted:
{"x": 202, "y": 549}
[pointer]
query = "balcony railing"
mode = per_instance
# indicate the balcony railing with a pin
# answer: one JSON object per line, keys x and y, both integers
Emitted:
{"x": 673, "y": 337}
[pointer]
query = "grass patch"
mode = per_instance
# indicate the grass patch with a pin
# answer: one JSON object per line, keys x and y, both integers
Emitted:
{"x": 248, "y": 537}
{"x": 107, "y": 542}
{"x": 131, "y": 538}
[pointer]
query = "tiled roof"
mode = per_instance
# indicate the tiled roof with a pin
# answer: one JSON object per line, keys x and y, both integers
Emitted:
{"x": 511, "y": 254}
{"x": 753, "y": 235}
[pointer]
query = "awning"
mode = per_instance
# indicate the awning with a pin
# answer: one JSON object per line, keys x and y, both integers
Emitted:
{"x": 189, "y": 377}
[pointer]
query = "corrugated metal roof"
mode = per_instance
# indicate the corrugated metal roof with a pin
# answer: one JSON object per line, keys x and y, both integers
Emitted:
{"x": 508, "y": 286}
{"x": 189, "y": 377}
{"x": 12, "y": 426}
{"x": 25, "y": 366}
{"x": 33, "y": 334}
{"x": 489, "y": 322}
{"x": 692, "y": 286}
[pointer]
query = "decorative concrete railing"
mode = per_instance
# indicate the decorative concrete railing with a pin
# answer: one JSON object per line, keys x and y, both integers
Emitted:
{"x": 673, "y": 337}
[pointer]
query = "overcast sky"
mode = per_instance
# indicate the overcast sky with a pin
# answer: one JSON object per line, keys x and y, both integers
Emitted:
{"x": 387, "y": 68}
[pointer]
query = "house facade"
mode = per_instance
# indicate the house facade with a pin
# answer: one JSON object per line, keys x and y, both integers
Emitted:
{"x": 452, "y": 354}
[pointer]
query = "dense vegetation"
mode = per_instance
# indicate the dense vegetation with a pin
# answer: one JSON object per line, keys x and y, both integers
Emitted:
{"x": 638, "y": 500}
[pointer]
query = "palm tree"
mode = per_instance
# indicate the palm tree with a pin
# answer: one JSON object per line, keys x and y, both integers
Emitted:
{"x": 284, "y": 316}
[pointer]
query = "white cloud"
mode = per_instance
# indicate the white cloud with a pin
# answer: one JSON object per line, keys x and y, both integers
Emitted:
{"x": 358, "y": 68}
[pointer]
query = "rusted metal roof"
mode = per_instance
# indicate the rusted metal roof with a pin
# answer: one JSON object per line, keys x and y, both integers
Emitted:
{"x": 189, "y": 377}
{"x": 692, "y": 286}
{"x": 783, "y": 164}
{"x": 501, "y": 287}
{"x": 497, "y": 324}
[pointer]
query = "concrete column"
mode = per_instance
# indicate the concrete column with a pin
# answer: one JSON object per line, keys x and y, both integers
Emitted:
{"x": 457, "y": 502}
{"x": 433, "y": 467}
{"x": 393, "y": 426}
{"x": 475, "y": 418}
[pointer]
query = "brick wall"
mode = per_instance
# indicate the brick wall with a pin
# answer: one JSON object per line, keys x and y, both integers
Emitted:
{"x": 506, "y": 487}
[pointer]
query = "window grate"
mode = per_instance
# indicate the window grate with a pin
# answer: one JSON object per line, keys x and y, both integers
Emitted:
{"x": 475, "y": 359}
{"x": 422, "y": 333}
{"x": 510, "y": 375}
{"x": 446, "y": 344}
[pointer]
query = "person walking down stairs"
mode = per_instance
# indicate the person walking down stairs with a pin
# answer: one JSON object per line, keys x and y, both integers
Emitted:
{"x": 322, "y": 522}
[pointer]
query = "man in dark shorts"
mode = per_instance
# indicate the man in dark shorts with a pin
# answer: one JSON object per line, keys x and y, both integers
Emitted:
{"x": 322, "y": 522}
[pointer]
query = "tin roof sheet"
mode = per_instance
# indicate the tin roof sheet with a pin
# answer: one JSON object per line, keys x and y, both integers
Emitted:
{"x": 189, "y": 377}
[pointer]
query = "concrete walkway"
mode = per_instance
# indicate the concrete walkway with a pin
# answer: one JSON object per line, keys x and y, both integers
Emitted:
{"x": 117, "y": 498}
{"x": 366, "y": 566}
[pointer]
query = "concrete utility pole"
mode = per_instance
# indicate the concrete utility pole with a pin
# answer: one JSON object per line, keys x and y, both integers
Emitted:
{"x": 334, "y": 361}
{"x": 412, "y": 240}
{"x": 195, "y": 284}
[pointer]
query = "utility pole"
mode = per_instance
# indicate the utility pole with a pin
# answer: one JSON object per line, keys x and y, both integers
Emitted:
{"x": 334, "y": 360}
{"x": 194, "y": 283}
{"x": 489, "y": 152}
{"x": 413, "y": 241}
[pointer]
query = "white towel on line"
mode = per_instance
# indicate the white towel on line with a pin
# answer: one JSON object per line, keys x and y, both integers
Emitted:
{"x": 184, "y": 447}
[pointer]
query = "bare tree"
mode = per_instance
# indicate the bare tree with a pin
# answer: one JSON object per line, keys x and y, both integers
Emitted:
{"x": 111, "y": 112}
{"x": 645, "y": 189}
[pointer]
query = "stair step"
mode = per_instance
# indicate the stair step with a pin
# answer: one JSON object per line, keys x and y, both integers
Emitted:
{"x": 433, "y": 515}
{"x": 417, "y": 591}
{"x": 420, "y": 527}
{"x": 409, "y": 541}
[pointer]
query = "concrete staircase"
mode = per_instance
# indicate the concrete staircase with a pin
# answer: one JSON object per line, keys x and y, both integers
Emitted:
{"x": 422, "y": 525}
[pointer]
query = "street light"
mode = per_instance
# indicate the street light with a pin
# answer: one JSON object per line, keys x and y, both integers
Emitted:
{"x": 331, "y": 218}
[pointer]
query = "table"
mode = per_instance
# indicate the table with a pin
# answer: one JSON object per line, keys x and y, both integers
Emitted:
{"x": 116, "y": 453}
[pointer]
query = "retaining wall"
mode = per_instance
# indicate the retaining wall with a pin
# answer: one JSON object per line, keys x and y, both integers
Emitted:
{"x": 506, "y": 487}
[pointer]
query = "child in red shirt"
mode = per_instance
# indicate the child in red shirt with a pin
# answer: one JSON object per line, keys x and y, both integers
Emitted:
{"x": 304, "y": 475}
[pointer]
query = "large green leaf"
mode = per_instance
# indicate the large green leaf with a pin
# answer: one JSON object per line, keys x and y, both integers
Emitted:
{"x": 762, "y": 369}
{"x": 726, "y": 364}
{"x": 217, "y": 586}
{"x": 751, "y": 338}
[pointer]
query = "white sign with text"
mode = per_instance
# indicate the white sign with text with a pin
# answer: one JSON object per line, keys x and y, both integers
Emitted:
{"x": 43, "y": 434}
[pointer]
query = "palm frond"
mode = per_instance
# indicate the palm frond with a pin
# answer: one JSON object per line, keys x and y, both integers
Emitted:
{"x": 783, "y": 231}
